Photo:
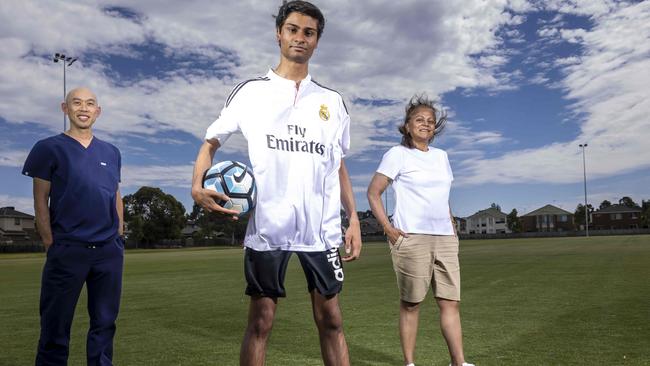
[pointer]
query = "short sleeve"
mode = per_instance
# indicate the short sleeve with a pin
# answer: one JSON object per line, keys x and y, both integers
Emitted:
{"x": 391, "y": 163}
{"x": 228, "y": 121}
{"x": 40, "y": 162}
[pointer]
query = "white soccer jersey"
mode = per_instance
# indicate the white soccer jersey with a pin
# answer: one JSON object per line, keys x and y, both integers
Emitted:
{"x": 421, "y": 181}
{"x": 296, "y": 140}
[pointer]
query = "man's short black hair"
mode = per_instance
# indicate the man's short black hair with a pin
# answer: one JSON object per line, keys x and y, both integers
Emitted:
{"x": 302, "y": 7}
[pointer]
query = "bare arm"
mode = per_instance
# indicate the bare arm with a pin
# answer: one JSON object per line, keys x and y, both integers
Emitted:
{"x": 42, "y": 210}
{"x": 377, "y": 186}
{"x": 353, "y": 232}
{"x": 205, "y": 197}
{"x": 119, "y": 205}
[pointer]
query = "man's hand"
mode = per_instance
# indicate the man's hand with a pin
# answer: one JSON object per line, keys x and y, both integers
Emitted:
{"x": 352, "y": 240}
{"x": 208, "y": 198}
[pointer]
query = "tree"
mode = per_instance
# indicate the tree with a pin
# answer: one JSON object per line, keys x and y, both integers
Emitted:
{"x": 494, "y": 205}
{"x": 152, "y": 215}
{"x": 579, "y": 214}
{"x": 211, "y": 223}
{"x": 627, "y": 202}
{"x": 645, "y": 213}
{"x": 604, "y": 204}
{"x": 514, "y": 224}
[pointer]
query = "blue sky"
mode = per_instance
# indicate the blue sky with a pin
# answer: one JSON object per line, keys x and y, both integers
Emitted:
{"x": 523, "y": 84}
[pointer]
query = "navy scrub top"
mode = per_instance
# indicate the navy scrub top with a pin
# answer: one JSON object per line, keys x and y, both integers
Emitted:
{"x": 84, "y": 183}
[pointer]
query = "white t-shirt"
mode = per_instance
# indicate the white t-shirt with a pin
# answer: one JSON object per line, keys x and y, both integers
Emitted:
{"x": 296, "y": 140}
{"x": 421, "y": 181}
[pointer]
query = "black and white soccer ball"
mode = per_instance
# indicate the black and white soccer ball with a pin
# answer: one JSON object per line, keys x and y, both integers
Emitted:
{"x": 235, "y": 180}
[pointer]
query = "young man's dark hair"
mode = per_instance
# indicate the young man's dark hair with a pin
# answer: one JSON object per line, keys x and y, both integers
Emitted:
{"x": 302, "y": 7}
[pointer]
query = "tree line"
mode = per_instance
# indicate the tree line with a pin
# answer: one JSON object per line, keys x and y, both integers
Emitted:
{"x": 152, "y": 216}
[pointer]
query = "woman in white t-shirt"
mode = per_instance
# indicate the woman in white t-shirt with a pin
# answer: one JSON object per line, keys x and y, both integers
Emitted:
{"x": 422, "y": 235}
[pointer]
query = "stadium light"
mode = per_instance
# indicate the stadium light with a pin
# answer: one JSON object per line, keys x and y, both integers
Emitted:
{"x": 66, "y": 61}
{"x": 584, "y": 174}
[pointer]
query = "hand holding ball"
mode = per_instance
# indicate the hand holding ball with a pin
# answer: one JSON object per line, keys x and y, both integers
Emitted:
{"x": 235, "y": 180}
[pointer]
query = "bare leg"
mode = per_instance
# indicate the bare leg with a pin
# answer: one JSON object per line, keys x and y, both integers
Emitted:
{"x": 329, "y": 321}
{"x": 260, "y": 322}
{"x": 451, "y": 329}
{"x": 409, "y": 314}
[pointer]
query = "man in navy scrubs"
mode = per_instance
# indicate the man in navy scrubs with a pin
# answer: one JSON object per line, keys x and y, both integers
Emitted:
{"x": 79, "y": 215}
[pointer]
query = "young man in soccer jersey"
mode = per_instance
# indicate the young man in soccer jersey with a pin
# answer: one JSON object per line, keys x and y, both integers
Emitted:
{"x": 78, "y": 210}
{"x": 297, "y": 133}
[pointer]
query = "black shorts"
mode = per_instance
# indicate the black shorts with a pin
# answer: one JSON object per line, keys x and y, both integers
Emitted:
{"x": 265, "y": 271}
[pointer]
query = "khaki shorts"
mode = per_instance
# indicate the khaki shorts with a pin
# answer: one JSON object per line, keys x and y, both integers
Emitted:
{"x": 420, "y": 258}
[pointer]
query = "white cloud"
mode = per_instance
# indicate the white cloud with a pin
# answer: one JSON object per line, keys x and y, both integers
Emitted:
{"x": 608, "y": 84}
{"x": 68, "y": 26}
{"x": 571, "y": 60}
{"x": 539, "y": 79}
{"x": 467, "y": 139}
{"x": 492, "y": 61}
{"x": 179, "y": 176}
{"x": 521, "y": 6}
{"x": 573, "y": 35}
{"x": 22, "y": 204}
{"x": 547, "y": 32}
{"x": 446, "y": 46}
{"x": 13, "y": 158}
{"x": 387, "y": 51}
{"x": 581, "y": 7}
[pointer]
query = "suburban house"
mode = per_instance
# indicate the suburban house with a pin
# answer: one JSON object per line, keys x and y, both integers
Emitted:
{"x": 16, "y": 225}
{"x": 547, "y": 218}
{"x": 190, "y": 228}
{"x": 370, "y": 226}
{"x": 489, "y": 221}
{"x": 616, "y": 217}
{"x": 461, "y": 224}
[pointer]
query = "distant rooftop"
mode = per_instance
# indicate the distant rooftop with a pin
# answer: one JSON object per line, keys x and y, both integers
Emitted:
{"x": 10, "y": 211}
{"x": 488, "y": 212}
{"x": 619, "y": 209}
{"x": 548, "y": 210}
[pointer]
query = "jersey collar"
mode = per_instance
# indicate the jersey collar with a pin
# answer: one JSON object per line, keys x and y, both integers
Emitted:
{"x": 275, "y": 77}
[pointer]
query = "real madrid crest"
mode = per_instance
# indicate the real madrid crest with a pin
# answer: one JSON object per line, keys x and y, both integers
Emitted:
{"x": 324, "y": 113}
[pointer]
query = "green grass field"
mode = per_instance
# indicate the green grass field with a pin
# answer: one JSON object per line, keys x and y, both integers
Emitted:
{"x": 560, "y": 301}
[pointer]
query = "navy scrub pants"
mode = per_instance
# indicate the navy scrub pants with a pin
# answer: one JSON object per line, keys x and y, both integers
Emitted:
{"x": 66, "y": 270}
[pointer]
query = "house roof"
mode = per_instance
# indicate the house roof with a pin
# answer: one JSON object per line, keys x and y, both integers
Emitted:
{"x": 548, "y": 210}
{"x": 617, "y": 208}
{"x": 10, "y": 211}
{"x": 488, "y": 212}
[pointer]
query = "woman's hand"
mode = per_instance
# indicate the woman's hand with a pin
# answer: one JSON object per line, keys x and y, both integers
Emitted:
{"x": 393, "y": 234}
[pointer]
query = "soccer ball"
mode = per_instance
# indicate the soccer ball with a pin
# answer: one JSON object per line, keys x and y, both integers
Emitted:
{"x": 235, "y": 180}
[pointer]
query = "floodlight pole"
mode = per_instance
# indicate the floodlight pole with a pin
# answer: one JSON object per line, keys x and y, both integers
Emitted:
{"x": 66, "y": 61}
{"x": 584, "y": 174}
